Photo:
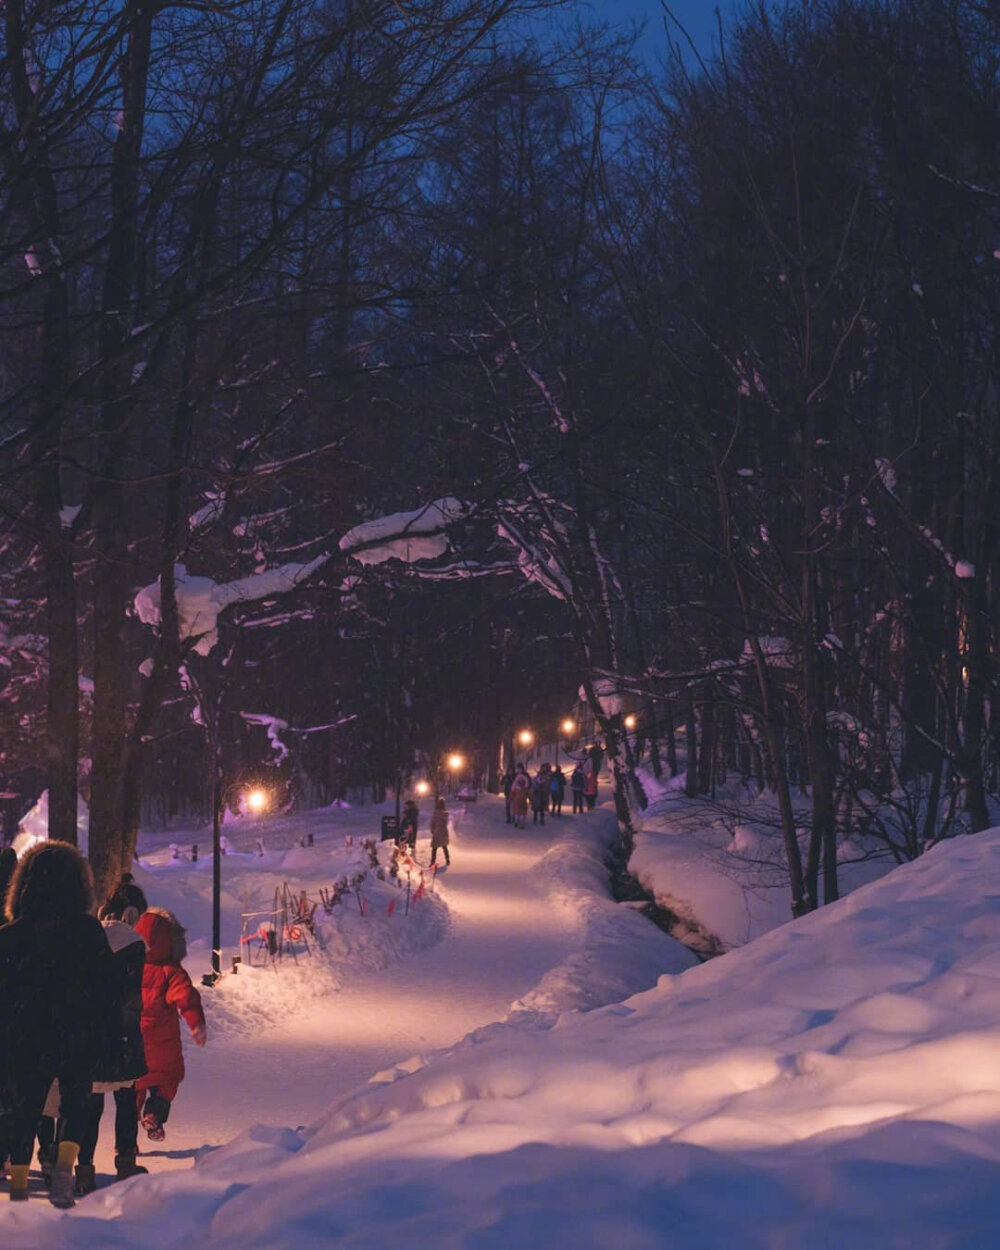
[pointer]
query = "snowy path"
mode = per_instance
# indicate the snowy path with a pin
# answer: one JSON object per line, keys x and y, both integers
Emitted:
{"x": 501, "y": 940}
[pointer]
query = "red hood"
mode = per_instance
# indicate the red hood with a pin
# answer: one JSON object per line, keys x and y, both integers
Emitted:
{"x": 157, "y": 933}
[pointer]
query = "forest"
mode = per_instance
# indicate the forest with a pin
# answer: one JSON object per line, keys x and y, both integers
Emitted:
{"x": 679, "y": 377}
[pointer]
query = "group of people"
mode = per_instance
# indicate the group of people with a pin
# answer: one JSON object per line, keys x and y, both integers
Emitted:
{"x": 545, "y": 792}
{"x": 440, "y": 829}
{"x": 89, "y": 1005}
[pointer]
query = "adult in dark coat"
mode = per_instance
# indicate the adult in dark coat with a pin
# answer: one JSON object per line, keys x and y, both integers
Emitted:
{"x": 57, "y": 996}
{"x": 506, "y": 781}
{"x": 122, "y": 1065}
{"x": 540, "y": 795}
{"x": 439, "y": 832}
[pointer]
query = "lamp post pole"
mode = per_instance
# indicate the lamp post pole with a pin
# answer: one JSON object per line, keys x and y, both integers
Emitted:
{"x": 216, "y": 880}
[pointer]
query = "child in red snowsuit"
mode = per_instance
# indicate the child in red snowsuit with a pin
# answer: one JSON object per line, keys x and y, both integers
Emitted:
{"x": 167, "y": 994}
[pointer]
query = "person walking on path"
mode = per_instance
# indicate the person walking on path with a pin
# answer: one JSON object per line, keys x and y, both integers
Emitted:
{"x": 439, "y": 833}
{"x": 520, "y": 791}
{"x": 57, "y": 997}
{"x": 506, "y": 781}
{"x": 590, "y": 786}
{"x": 557, "y": 791}
{"x": 167, "y": 994}
{"x": 540, "y": 795}
{"x": 577, "y": 782}
{"x": 408, "y": 824}
{"x": 126, "y": 1061}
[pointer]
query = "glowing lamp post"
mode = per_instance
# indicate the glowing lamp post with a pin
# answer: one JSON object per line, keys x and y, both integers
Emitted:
{"x": 524, "y": 739}
{"x": 422, "y": 788}
{"x": 567, "y": 730}
{"x": 255, "y": 800}
{"x": 456, "y": 763}
{"x": 629, "y": 721}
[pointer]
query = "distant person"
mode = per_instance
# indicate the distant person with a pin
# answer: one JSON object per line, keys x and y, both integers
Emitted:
{"x": 125, "y": 1059}
{"x": 506, "y": 781}
{"x": 408, "y": 824}
{"x": 167, "y": 994}
{"x": 590, "y": 786}
{"x": 540, "y": 795}
{"x": 56, "y": 998}
{"x": 557, "y": 791}
{"x": 520, "y": 792}
{"x": 577, "y": 782}
{"x": 439, "y": 833}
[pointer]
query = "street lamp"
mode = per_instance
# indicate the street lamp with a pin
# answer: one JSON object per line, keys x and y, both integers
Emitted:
{"x": 567, "y": 729}
{"x": 256, "y": 801}
{"x": 456, "y": 763}
{"x": 422, "y": 788}
{"x": 629, "y": 721}
{"x": 525, "y": 738}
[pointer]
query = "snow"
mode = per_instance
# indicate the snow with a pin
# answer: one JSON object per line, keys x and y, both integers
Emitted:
{"x": 407, "y": 536}
{"x": 33, "y": 827}
{"x": 200, "y": 599}
{"x": 833, "y": 1083}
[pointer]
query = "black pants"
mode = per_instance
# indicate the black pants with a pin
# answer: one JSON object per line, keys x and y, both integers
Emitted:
{"x": 434, "y": 852}
{"x": 126, "y": 1124}
{"x": 577, "y": 801}
{"x": 591, "y": 800}
{"x": 30, "y": 1090}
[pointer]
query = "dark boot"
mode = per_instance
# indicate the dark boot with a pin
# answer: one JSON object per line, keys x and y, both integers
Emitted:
{"x": 63, "y": 1180}
{"x": 126, "y": 1166}
{"x": 86, "y": 1180}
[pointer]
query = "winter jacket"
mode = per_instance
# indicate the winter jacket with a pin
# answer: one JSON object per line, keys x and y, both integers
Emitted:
{"x": 519, "y": 792}
{"x": 540, "y": 792}
{"x": 578, "y": 780}
{"x": 590, "y": 782}
{"x": 167, "y": 993}
{"x": 506, "y": 781}
{"x": 439, "y": 828}
{"x": 557, "y": 785}
{"x": 57, "y": 998}
{"x": 125, "y": 1061}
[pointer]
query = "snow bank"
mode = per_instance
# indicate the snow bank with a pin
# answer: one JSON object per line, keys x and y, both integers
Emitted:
{"x": 834, "y": 1083}
{"x": 618, "y": 950}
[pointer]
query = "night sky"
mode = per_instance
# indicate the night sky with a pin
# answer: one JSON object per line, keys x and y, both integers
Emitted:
{"x": 698, "y": 17}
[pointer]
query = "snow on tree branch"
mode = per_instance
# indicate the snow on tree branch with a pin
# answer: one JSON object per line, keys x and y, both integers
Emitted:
{"x": 406, "y": 536}
{"x": 200, "y": 599}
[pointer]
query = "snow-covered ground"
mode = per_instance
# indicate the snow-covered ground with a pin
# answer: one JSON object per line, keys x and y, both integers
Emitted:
{"x": 834, "y": 1083}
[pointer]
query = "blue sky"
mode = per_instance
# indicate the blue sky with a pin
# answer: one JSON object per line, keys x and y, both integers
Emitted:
{"x": 698, "y": 16}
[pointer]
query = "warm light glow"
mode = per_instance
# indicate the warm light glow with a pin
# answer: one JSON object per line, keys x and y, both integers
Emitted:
{"x": 569, "y": 727}
{"x": 455, "y": 762}
{"x": 256, "y": 801}
{"x": 422, "y": 787}
{"x": 526, "y": 737}
{"x": 629, "y": 722}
